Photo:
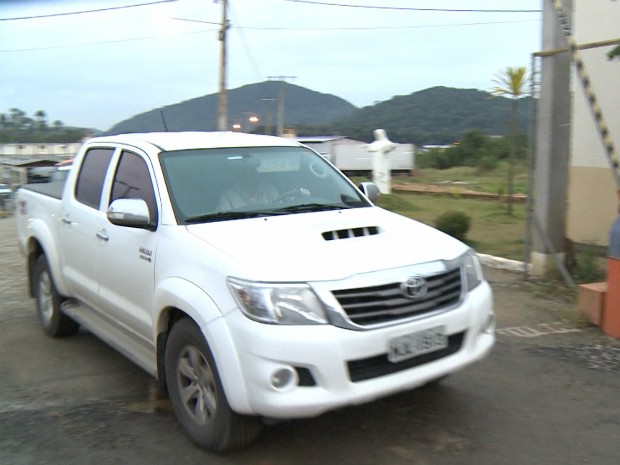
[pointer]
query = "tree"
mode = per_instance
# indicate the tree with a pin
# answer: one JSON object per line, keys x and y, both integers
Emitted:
{"x": 511, "y": 82}
{"x": 17, "y": 126}
{"x": 614, "y": 53}
{"x": 41, "y": 119}
{"x": 58, "y": 125}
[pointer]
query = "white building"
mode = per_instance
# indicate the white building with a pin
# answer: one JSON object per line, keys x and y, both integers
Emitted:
{"x": 60, "y": 151}
{"x": 21, "y": 163}
{"x": 352, "y": 156}
{"x": 592, "y": 191}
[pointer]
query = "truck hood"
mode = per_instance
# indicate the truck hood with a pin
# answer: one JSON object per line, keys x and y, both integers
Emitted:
{"x": 323, "y": 246}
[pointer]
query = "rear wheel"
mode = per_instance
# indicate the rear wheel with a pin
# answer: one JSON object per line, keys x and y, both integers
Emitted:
{"x": 55, "y": 323}
{"x": 197, "y": 394}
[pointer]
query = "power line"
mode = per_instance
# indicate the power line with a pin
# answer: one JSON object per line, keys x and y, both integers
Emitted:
{"x": 256, "y": 70}
{"x": 246, "y": 45}
{"x": 134, "y": 39}
{"x": 445, "y": 10}
{"x": 371, "y": 28}
{"x": 69, "y": 13}
{"x": 195, "y": 21}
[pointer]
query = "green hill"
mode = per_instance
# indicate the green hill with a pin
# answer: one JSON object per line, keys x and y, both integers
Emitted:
{"x": 439, "y": 115}
{"x": 302, "y": 107}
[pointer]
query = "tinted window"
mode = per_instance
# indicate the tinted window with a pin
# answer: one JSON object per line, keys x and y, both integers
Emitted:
{"x": 92, "y": 174}
{"x": 133, "y": 181}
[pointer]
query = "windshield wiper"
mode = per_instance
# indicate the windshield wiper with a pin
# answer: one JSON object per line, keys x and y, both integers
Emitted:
{"x": 311, "y": 207}
{"x": 225, "y": 216}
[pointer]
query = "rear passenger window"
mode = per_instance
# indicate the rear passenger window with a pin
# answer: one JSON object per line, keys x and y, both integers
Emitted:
{"x": 92, "y": 174}
{"x": 133, "y": 181}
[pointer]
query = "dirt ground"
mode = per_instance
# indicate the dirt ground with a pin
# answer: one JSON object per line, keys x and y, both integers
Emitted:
{"x": 548, "y": 394}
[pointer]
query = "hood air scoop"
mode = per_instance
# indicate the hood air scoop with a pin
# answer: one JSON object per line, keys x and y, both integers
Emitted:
{"x": 350, "y": 233}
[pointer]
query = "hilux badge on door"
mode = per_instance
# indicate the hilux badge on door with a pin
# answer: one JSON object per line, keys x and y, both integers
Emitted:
{"x": 414, "y": 288}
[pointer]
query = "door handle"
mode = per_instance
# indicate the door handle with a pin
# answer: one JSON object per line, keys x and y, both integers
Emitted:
{"x": 65, "y": 219}
{"x": 103, "y": 235}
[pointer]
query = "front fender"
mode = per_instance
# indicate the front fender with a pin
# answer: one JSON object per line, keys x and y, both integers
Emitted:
{"x": 181, "y": 294}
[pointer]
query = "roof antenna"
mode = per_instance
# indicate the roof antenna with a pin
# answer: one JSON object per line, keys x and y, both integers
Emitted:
{"x": 163, "y": 120}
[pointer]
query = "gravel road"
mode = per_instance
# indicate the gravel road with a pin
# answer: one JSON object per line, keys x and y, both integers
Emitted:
{"x": 548, "y": 394}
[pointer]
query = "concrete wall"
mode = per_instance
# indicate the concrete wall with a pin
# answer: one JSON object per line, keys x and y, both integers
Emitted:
{"x": 592, "y": 192}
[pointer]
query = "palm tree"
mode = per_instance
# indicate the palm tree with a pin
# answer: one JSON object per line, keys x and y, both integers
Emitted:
{"x": 41, "y": 118}
{"x": 511, "y": 82}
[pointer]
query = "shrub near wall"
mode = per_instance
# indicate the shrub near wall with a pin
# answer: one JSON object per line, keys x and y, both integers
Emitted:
{"x": 454, "y": 223}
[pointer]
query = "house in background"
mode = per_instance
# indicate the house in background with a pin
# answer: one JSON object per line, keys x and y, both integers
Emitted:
{"x": 23, "y": 163}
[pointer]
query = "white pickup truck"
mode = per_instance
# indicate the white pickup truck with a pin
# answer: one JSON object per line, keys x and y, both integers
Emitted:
{"x": 250, "y": 277}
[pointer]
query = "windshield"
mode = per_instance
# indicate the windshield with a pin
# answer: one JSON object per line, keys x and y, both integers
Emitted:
{"x": 233, "y": 183}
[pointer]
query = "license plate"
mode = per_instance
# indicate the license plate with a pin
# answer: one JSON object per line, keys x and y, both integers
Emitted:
{"x": 412, "y": 345}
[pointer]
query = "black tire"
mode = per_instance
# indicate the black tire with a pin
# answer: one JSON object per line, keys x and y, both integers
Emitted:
{"x": 197, "y": 395}
{"x": 54, "y": 322}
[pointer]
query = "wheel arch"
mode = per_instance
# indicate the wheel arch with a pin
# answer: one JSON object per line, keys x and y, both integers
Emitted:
{"x": 40, "y": 243}
{"x": 178, "y": 298}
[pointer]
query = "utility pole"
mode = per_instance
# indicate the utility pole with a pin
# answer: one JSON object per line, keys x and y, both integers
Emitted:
{"x": 268, "y": 113}
{"x": 222, "y": 100}
{"x": 282, "y": 80}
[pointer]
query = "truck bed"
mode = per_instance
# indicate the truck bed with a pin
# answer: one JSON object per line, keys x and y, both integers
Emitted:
{"x": 51, "y": 189}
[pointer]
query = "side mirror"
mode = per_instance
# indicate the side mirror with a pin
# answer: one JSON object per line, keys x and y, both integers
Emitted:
{"x": 133, "y": 213}
{"x": 370, "y": 190}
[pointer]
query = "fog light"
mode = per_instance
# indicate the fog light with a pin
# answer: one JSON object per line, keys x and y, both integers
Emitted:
{"x": 489, "y": 324}
{"x": 283, "y": 378}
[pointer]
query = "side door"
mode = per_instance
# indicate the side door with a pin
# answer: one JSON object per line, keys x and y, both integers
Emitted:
{"x": 82, "y": 223}
{"x": 127, "y": 265}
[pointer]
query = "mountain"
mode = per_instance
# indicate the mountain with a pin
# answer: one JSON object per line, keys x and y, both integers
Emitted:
{"x": 439, "y": 115}
{"x": 302, "y": 107}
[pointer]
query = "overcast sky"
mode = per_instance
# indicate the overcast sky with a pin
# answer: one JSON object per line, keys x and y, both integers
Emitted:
{"x": 94, "y": 69}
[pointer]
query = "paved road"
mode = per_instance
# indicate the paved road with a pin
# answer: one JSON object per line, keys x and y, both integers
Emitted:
{"x": 548, "y": 394}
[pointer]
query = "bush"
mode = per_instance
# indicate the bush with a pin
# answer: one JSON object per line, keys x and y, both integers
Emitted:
{"x": 454, "y": 223}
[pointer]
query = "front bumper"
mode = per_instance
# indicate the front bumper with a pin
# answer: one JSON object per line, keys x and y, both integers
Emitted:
{"x": 324, "y": 362}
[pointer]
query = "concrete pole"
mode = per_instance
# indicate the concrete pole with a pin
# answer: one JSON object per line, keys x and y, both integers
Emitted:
{"x": 222, "y": 100}
{"x": 280, "y": 124}
{"x": 552, "y": 145}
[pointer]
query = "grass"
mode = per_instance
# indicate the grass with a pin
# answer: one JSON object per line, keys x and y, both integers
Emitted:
{"x": 493, "y": 182}
{"x": 492, "y": 232}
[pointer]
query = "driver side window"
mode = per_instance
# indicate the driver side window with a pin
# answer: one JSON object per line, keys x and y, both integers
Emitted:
{"x": 132, "y": 180}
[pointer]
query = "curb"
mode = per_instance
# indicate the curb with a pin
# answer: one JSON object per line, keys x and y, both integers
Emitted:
{"x": 499, "y": 263}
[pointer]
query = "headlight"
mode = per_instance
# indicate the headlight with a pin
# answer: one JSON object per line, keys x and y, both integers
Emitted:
{"x": 473, "y": 270}
{"x": 284, "y": 304}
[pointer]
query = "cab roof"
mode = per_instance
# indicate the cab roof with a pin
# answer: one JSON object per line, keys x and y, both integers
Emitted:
{"x": 167, "y": 141}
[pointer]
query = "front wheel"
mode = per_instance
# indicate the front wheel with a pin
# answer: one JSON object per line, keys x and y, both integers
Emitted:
{"x": 197, "y": 394}
{"x": 55, "y": 323}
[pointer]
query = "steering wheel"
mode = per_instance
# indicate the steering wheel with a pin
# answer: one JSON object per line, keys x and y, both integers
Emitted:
{"x": 292, "y": 194}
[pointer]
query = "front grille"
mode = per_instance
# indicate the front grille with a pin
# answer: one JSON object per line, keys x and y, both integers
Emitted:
{"x": 373, "y": 367}
{"x": 380, "y": 304}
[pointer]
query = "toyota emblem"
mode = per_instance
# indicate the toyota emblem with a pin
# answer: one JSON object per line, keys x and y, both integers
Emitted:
{"x": 414, "y": 288}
